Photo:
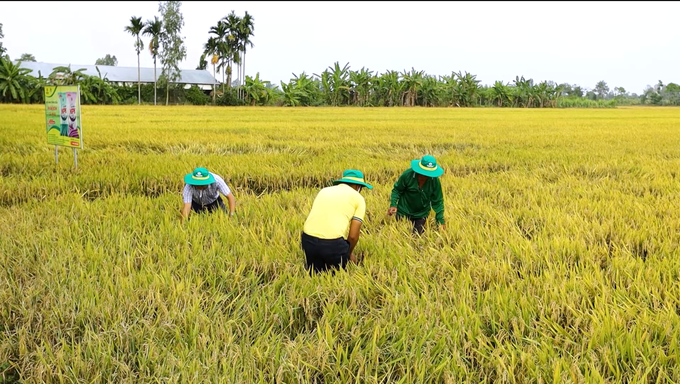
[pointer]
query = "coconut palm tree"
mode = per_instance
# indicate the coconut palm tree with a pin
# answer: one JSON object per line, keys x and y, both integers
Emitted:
{"x": 222, "y": 47}
{"x": 246, "y": 28}
{"x": 135, "y": 29}
{"x": 202, "y": 63}
{"x": 153, "y": 28}
{"x": 210, "y": 49}
{"x": 232, "y": 42}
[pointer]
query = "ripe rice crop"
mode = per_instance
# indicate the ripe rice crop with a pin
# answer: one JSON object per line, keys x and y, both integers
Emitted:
{"x": 559, "y": 263}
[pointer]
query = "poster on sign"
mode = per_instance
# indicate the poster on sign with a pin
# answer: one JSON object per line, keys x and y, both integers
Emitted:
{"x": 62, "y": 116}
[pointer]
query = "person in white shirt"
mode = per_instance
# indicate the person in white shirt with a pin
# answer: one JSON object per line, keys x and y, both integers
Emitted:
{"x": 202, "y": 193}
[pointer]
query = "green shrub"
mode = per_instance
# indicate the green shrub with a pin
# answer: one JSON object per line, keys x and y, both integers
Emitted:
{"x": 196, "y": 96}
{"x": 229, "y": 98}
{"x": 585, "y": 103}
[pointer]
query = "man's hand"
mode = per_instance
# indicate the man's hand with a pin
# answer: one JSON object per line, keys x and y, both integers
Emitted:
{"x": 392, "y": 211}
{"x": 442, "y": 227}
{"x": 232, "y": 204}
{"x": 353, "y": 258}
{"x": 184, "y": 212}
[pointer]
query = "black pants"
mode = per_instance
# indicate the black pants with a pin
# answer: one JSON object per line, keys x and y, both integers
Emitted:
{"x": 323, "y": 254}
{"x": 215, "y": 205}
{"x": 418, "y": 224}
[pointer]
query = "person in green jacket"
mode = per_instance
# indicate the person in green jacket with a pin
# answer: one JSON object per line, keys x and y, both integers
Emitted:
{"x": 417, "y": 191}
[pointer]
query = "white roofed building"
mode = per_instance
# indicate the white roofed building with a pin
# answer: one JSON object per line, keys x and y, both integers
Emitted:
{"x": 127, "y": 75}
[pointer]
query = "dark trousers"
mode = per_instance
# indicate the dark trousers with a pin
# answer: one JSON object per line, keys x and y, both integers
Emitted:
{"x": 418, "y": 224}
{"x": 322, "y": 254}
{"x": 215, "y": 205}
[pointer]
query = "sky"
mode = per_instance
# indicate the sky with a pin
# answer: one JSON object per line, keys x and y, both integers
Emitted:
{"x": 626, "y": 44}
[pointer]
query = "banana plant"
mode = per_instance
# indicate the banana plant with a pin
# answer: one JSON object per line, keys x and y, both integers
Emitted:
{"x": 412, "y": 83}
{"x": 63, "y": 75}
{"x": 291, "y": 95}
{"x": 500, "y": 94}
{"x": 12, "y": 76}
{"x": 523, "y": 89}
{"x": 256, "y": 90}
{"x": 395, "y": 88}
{"x": 325, "y": 83}
{"x": 34, "y": 89}
{"x": 302, "y": 90}
{"x": 361, "y": 84}
{"x": 430, "y": 93}
{"x": 310, "y": 87}
{"x": 469, "y": 87}
{"x": 338, "y": 84}
{"x": 452, "y": 89}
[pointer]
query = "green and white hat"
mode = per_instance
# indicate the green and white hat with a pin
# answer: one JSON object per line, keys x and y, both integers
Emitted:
{"x": 427, "y": 166}
{"x": 353, "y": 177}
{"x": 200, "y": 176}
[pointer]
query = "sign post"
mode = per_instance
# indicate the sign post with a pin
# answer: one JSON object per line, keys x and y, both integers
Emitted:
{"x": 62, "y": 118}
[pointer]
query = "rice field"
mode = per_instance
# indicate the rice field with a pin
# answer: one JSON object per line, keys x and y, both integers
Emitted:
{"x": 559, "y": 263}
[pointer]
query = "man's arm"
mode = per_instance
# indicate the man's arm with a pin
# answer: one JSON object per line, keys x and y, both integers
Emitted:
{"x": 355, "y": 225}
{"x": 438, "y": 204}
{"x": 397, "y": 191}
{"x": 232, "y": 203}
{"x": 226, "y": 191}
{"x": 186, "y": 198}
{"x": 353, "y": 236}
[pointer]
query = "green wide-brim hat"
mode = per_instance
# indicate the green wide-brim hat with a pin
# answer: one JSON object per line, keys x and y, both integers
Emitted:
{"x": 353, "y": 176}
{"x": 200, "y": 176}
{"x": 427, "y": 166}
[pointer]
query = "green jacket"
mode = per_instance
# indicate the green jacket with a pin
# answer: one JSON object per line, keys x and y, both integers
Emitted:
{"x": 413, "y": 202}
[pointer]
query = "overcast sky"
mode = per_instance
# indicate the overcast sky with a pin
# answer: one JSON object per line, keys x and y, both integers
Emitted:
{"x": 628, "y": 44}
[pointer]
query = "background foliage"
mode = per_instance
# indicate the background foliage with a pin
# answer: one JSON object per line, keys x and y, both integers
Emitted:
{"x": 339, "y": 86}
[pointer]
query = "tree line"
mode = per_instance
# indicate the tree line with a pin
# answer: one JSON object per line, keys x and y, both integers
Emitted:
{"x": 337, "y": 85}
{"x": 165, "y": 43}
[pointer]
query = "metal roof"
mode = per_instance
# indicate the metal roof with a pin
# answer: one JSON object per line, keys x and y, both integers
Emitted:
{"x": 122, "y": 74}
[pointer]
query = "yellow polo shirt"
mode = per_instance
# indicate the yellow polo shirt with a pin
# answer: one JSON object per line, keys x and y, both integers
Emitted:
{"x": 333, "y": 210}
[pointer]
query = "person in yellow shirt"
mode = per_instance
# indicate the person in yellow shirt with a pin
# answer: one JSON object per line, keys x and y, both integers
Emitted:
{"x": 332, "y": 228}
